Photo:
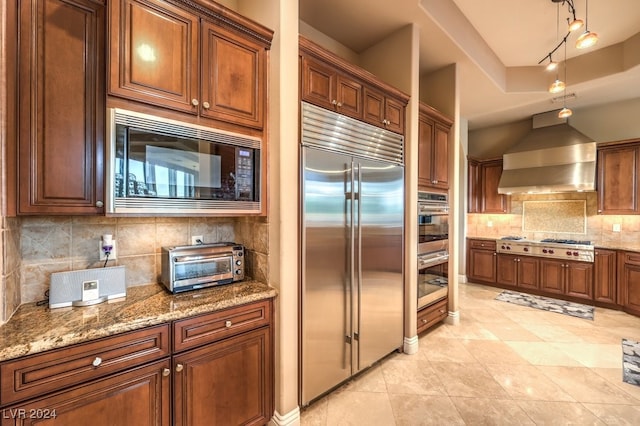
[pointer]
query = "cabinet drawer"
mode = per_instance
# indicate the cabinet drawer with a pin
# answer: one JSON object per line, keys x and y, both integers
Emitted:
{"x": 431, "y": 315}
{"x": 482, "y": 244}
{"x": 631, "y": 257}
{"x": 54, "y": 370}
{"x": 197, "y": 331}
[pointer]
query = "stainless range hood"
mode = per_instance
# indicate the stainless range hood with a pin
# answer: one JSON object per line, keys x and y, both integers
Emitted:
{"x": 552, "y": 157}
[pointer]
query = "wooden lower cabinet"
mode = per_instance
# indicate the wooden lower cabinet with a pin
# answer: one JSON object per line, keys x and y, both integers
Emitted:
{"x": 481, "y": 261}
{"x": 517, "y": 271}
{"x": 141, "y": 396}
{"x": 629, "y": 281}
{"x": 225, "y": 383}
{"x": 431, "y": 315}
{"x": 604, "y": 277}
{"x": 573, "y": 279}
{"x": 220, "y": 372}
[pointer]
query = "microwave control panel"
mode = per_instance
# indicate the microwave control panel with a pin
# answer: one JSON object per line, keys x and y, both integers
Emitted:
{"x": 244, "y": 174}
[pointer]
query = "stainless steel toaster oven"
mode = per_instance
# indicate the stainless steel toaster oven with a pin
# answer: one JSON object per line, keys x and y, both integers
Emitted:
{"x": 202, "y": 265}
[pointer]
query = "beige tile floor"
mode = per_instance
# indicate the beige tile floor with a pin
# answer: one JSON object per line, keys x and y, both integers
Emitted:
{"x": 503, "y": 364}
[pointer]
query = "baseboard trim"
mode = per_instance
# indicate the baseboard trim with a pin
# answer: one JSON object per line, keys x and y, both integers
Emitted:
{"x": 410, "y": 345}
{"x": 290, "y": 418}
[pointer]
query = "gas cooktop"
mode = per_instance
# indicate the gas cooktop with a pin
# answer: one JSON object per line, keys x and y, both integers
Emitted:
{"x": 548, "y": 247}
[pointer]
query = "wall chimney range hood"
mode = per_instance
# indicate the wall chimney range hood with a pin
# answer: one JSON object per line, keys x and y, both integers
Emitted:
{"x": 552, "y": 157}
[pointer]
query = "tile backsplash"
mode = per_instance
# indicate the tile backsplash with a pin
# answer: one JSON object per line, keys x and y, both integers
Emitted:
{"x": 599, "y": 228}
{"x": 55, "y": 244}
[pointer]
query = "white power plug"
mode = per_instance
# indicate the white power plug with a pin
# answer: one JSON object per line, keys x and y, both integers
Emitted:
{"x": 107, "y": 245}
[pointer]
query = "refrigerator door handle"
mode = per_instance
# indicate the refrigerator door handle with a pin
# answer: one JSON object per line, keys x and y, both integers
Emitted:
{"x": 358, "y": 261}
{"x": 351, "y": 197}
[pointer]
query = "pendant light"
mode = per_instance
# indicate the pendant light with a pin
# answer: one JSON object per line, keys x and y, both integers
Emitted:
{"x": 557, "y": 86}
{"x": 587, "y": 38}
{"x": 565, "y": 112}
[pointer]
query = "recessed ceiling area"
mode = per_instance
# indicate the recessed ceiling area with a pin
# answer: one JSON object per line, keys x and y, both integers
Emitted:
{"x": 497, "y": 45}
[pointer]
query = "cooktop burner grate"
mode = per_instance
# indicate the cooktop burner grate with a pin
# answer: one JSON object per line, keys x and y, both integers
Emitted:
{"x": 562, "y": 241}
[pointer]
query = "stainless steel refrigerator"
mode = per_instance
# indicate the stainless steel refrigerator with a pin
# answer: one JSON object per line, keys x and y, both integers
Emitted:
{"x": 352, "y": 217}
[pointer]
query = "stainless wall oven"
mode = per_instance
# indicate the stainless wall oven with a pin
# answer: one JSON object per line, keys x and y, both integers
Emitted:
{"x": 433, "y": 247}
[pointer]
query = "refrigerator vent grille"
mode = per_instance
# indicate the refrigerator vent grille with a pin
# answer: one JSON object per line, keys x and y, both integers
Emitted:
{"x": 334, "y": 132}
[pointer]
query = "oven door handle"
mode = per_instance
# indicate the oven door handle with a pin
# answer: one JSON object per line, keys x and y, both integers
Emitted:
{"x": 432, "y": 260}
{"x": 200, "y": 258}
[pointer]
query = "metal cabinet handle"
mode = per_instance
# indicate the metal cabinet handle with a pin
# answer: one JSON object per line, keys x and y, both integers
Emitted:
{"x": 334, "y": 102}
{"x": 166, "y": 372}
{"x": 424, "y": 321}
{"x": 99, "y": 204}
{"x": 179, "y": 367}
{"x": 194, "y": 102}
{"x": 96, "y": 362}
{"x": 227, "y": 324}
{"x": 495, "y": 254}
{"x": 205, "y": 105}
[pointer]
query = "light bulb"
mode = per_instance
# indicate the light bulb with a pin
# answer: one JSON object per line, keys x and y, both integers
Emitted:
{"x": 551, "y": 66}
{"x": 576, "y": 24}
{"x": 586, "y": 39}
{"x": 557, "y": 86}
{"x": 565, "y": 112}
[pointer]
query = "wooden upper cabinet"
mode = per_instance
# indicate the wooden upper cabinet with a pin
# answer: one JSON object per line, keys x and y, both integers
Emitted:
{"x": 154, "y": 53}
{"x": 325, "y": 86}
{"x": 330, "y": 82}
{"x": 484, "y": 177}
{"x": 188, "y": 61}
{"x": 619, "y": 179}
{"x": 383, "y": 111}
{"x": 433, "y": 149}
{"x": 61, "y": 107}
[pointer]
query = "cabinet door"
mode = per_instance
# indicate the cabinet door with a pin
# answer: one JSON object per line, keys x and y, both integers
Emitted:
{"x": 473, "y": 187}
{"x": 233, "y": 77}
{"x": 492, "y": 201}
{"x": 552, "y": 274}
{"x": 425, "y": 151}
{"x": 441, "y": 157}
{"x": 629, "y": 276}
{"x": 348, "y": 97}
{"x": 604, "y": 288}
{"x": 507, "y": 269}
{"x": 394, "y": 115}
{"x": 318, "y": 83}
{"x": 528, "y": 272}
{"x": 482, "y": 266}
{"x": 618, "y": 180}
{"x": 579, "y": 276}
{"x": 61, "y": 107}
{"x": 140, "y": 396}
{"x": 374, "y": 107}
{"x": 154, "y": 53}
{"x": 225, "y": 383}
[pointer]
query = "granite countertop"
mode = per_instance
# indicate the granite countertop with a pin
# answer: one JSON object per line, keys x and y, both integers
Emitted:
{"x": 33, "y": 329}
{"x": 609, "y": 245}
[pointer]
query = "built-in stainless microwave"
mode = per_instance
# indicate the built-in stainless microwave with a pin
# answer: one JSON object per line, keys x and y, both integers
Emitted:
{"x": 161, "y": 166}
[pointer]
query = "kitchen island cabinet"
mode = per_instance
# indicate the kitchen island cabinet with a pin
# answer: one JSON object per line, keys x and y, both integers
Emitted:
{"x": 481, "y": 261}
{"x": 61, "y": 108}
{"x": 203, "y": 61}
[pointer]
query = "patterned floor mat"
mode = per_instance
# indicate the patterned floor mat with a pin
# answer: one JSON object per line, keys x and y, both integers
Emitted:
{"x": 547, "y": 304}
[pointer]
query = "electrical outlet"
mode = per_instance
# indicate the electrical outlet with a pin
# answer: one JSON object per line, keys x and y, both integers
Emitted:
{"x": 490, "y": 224}
{"x": 197, "y": 239}
{"x": 617, "y": 227}
{"x": 103, "y": 256}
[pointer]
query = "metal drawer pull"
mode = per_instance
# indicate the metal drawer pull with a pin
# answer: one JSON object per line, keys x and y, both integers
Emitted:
{"x": 96, "y": 362}
{"x": 227, "y": 324}
{"x": 424, "y": 321}
{"x": 179, "y": 367}
{"x": 166, "y": 372}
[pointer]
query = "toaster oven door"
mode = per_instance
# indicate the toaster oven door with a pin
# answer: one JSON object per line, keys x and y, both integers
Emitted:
{"x": 195, "y": 271}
